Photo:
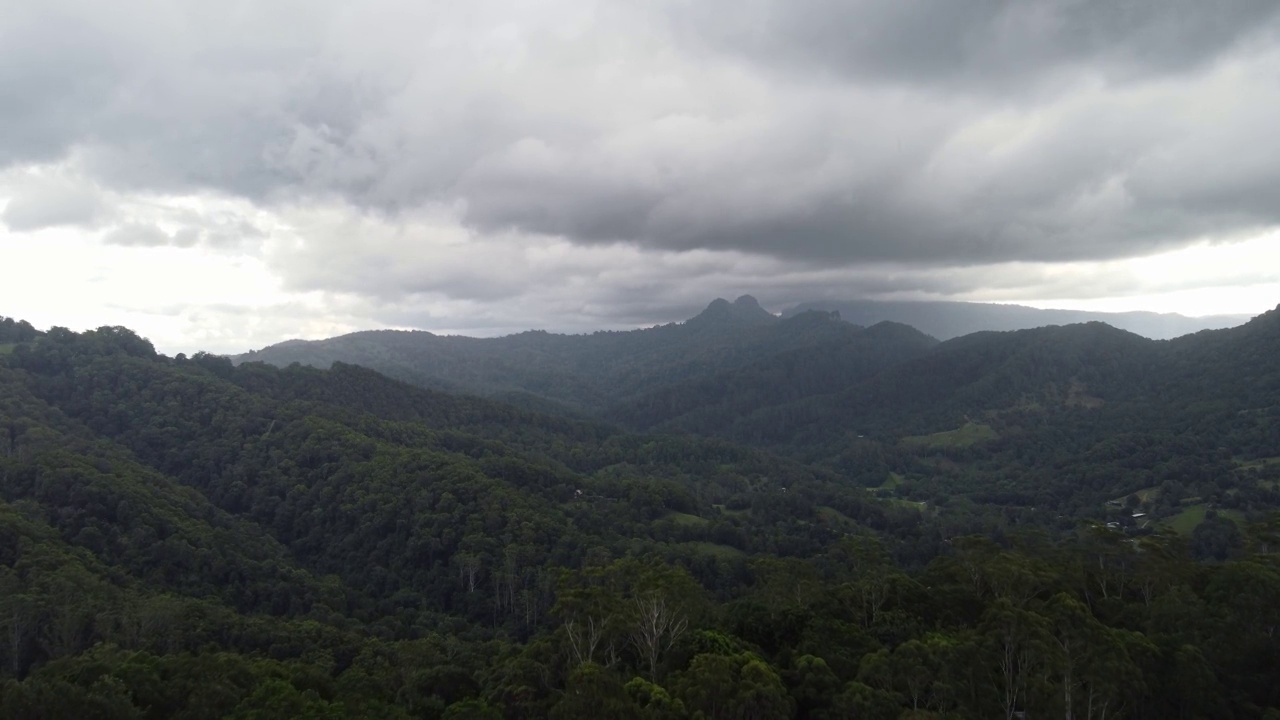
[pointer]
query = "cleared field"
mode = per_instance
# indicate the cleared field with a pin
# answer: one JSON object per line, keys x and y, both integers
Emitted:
{"x": 907, "y": 503}
{"x": 723, "y": 552}
{"x": 892, "y": 483}
{"x": 1185, "y": 522}
{"x": 1145, "y": 495}
{"x": 963, "y": 436}
{"x": 684, "y": 519}
{"x": 1259, "y": 463}
{"x": 832, "y": 516}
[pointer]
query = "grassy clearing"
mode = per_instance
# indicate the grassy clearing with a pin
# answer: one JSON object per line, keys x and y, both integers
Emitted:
{"x": 1185, "y": 522}
{"x": 892, "y": 482}
{"x": 1145, "y": 495}
{"x": 832, "y": 516}
{"x": 727, "y": 511}
{"x": 968, "y": 434}
{"x": 907, "y": 503}
{"x": 6, "y": 348}
{"x": 685, "y": 519}
{"x": 722, "y": 552}
{"x": 1259, "y": 463}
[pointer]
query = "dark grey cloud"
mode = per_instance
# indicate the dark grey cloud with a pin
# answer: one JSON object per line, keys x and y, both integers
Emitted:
{"x": 996, "y": 46}
{"x": 1101, "y": 179}
{"x": 58, "y": 70}
{"x": 174, "y": 99}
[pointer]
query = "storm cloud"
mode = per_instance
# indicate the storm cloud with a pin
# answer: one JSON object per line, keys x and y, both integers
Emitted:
{"x": 587, "y": 157}
{"x": 995, "y": 46}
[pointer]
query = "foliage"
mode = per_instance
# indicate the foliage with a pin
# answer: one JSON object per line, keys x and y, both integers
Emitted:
{"x": 185, "y": 537}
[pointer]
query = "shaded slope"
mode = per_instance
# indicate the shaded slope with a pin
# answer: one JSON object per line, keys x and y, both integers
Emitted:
{"x": 100, "y": 497}
{"x": 385, "y": 486}
{"x": 828, "y": 357}
{"x": 580, "y": 372}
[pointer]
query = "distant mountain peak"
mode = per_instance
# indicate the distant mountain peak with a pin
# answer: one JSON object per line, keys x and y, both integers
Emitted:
{"x": 743, "y": 312}
{"x": 888, "y": 329}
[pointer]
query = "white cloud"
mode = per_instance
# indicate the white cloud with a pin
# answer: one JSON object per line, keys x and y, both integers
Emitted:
{"x": 40, "y": 199}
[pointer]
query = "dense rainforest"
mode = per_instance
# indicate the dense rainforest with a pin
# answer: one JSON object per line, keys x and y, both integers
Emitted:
{"x": 738, "y": 517}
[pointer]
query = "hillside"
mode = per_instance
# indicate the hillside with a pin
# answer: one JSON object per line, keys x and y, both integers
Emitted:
{"x": 583, "y": 373}
{"x": 847, "y": 398}
{"x": 589, "y": 373}
{"x": 185, "y": 537}
{"x": 837, "y": 358}
{"x": 731, "y": 370}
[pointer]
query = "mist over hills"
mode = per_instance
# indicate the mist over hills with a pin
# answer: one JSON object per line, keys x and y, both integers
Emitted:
{"x": 946, "y": 320}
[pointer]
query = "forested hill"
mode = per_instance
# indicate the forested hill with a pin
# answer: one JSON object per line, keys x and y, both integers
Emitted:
{"x": 185, "y": 537}
{"x": 736, "y": 371}
{"x": 947, "y": 320}
{"x": 289, "y": 525}
{"x": 582, "y": 373}
{"x": 1008, "y": 417}
{"x": 810, "y": 386}
{"x": 1038, "y": 416}
{"x": 589, "y": 373}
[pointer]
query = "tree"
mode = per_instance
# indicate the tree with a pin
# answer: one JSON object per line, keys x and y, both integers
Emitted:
{"x": 658, "y": 624}
{"x": 654, "y": 700}
{"x": 643, "y": 604}
{"x": 592, "y": 691}
{"x": 278, "y": 700}
{"x": 741, "y": 686}
{"x": 813, "y": 686}
{"x": 872, "y": 572}
{"x": 472, "y": 709}
{"x": 1018, "y": 642}
{"x": 861, "y": 701}
{"x": 19, "y": 620}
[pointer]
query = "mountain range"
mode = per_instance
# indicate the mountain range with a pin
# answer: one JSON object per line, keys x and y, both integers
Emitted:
{"x": 726, "y": 365}
{"x": 815, "y": 387}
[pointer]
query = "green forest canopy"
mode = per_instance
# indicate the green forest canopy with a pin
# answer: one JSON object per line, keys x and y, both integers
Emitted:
{"x": 181, "y": 537}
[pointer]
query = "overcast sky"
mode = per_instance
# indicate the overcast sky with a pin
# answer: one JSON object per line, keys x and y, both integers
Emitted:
{"x": 223, "y": 176}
